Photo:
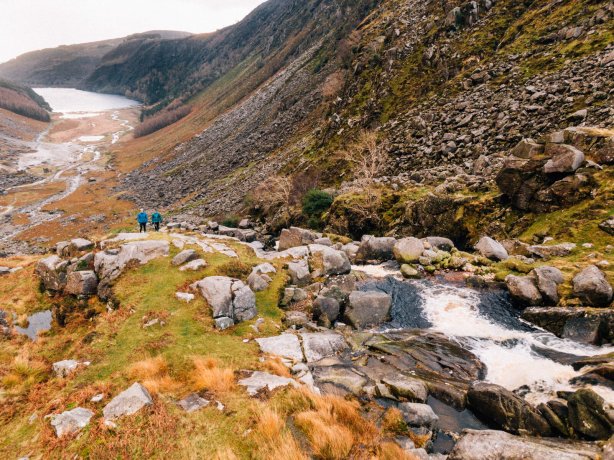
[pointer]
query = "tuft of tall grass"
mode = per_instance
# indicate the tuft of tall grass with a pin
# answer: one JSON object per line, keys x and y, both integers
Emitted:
{"x": 207, "y": 375}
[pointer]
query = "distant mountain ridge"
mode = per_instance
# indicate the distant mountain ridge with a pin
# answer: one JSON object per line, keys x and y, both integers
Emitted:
{"x": 70, "y": 65}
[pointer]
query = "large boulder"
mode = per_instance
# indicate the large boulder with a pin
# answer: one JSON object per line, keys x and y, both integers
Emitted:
{"x": 368, "y": 308}
{"x": 295, "y": 236}
{"x": 492, "y": 444}
{"x": 587, "y": 415}
{"x": 591, "y": 286}
{"x": 491, "y": 249}
{"x": 128, "y": 402}
{"x": 71, "y": 421}
{"x": 524, "y": 289}
{"x": 326, "y": 310}
{"x": 374, "y": 248}
{"x": 52, "y": 271}
{"x": 333, "y": 262}
{"x": 527, "y": 148}
{"x": 84, "y": 283}
{"x": 408, "y": 250}
{"x": 563, "y": 159}
{"x": 500, "y": 407}
{"x": 228, "y": 297}
{"x": 548, "y": 280}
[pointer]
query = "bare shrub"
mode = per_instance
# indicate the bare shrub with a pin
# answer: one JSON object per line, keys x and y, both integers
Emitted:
{"x": 366, "y": 156}
{"x": 272, "y": 198}
{"x": 333, "y": 84}
{"x": 22, "y": 105}
{"x": 161, "y": 120}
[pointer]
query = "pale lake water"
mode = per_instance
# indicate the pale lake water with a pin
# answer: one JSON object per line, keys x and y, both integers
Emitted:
{"x": 74, "y": 101}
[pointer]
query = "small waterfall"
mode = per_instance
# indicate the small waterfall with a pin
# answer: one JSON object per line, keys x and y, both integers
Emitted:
{"x": 516, "y": 353}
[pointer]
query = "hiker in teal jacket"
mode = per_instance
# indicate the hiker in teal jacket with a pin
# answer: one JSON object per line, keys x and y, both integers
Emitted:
{"x": 142, "y": 220}
{"x": 156, "y": 220}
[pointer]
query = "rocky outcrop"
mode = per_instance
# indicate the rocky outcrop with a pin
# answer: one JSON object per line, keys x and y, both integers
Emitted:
{"x": 53, "y": 273}
{"x": 588, "y": 416}
{"x": 228, "y": 298}
{"x": 501, "y": 408}
{"x": 82, "y": 283}
{"x": 591, "y": 286}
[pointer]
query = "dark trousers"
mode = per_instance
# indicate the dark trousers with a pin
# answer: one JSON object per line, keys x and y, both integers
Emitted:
{"x": 157, "y": 226}
{"x": 143, "y": 227}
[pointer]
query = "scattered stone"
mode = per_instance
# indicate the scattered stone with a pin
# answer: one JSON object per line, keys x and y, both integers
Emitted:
{"x": 409, "y": 272}
{"x": 65, "y": 368}
{"x": 523, "y": 289}
{"x": 228, "y": 297}
{"x": 295, "y": 319}
{"x": 564, "y": 159}
{"x": 260, "y": 380}
{"x": 97, "y": 398}
{"x": 71, "y": 421}
{"x": 184, "y": 256}
{"x": 193, "y": 402}
{"x": 184, "y": 296}
{"x": 258, "y": 282}
{"x": 194, "y": 265}
{"x": 554, "y": 250}
{"x": 295, "y": 236}
{"x": 333, "y": 262}
{"x": 223, "y": 322}
{"x": 128, "y": 402}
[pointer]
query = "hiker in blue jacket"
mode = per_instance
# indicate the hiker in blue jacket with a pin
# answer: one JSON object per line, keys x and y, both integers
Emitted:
{"x": 142, "y": 220}
{"x": 156, "y": 220}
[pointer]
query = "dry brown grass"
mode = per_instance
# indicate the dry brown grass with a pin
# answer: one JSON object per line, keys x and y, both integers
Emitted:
{"x": 274, "y": 365}
{"x": 392, "y": 451}
{"x": 225, "y": 454}
{"x": 393, "y": 422}
{"x": 153, "y": 374}
{"x": 207, "y": 375}
{"x": 335, "y": 427}
{"x": 273, "y": 438}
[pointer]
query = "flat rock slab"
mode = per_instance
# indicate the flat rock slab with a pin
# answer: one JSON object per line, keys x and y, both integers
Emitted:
{"x": 320, "y": 345}
{"x": 127, "y": 402}
{"x": 284, "y": 345}
{"x": 259, "y": 380}
{"x": 491, "y": 444}
{"x": 193, "y": 402}
{"x": 71, "y": 421}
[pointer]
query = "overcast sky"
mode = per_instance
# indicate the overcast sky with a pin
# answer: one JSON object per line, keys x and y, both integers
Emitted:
{"x": 27, "y": 25}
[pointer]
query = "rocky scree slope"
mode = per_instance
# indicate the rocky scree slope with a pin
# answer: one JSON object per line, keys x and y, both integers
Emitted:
{"x": 448, "y": 87}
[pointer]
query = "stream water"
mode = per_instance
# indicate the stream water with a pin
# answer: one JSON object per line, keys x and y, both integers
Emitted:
{"x": 515, "y": 353}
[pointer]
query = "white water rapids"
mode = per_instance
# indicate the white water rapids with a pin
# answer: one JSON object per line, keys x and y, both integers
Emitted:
{"x": 509, "y": 353}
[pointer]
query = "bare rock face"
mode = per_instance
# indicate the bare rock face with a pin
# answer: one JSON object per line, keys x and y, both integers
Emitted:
{"x": 591, "y": 286}
{"x": 53, "y": 273}
{"x": 71, "y": 421}
{"x": 228, "y": 297}
{"x": 491, "y": 444}
{"x": 128, "y": 402}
